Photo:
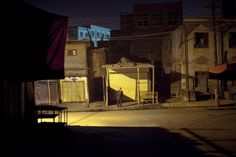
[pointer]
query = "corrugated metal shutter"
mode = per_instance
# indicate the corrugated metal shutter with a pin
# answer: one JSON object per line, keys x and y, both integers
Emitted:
{"x": 46, "y": 92}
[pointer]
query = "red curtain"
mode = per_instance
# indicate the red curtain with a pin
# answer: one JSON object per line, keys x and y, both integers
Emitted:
{"x": 33, "y": 43}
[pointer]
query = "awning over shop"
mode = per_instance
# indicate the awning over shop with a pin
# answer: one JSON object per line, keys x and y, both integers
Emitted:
{"x": 223, "y": 71}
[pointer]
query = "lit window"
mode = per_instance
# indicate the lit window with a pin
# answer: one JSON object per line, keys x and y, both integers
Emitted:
{"x": 201, "y": 40}
{"x": 72, "y": 52}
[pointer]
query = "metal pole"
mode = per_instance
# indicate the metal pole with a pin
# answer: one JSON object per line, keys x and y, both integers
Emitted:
{"x": 22, "y": 101}
{"x": 138, "y": 87}
{"x": 107, "y": 86}
{"x": 49, "y": 99}
{"x": 153, "y": 77}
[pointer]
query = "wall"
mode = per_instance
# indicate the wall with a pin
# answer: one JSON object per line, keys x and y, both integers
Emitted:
{"x": 97, "y": 58}
{"x": 199, "y": 59}
{"x": 128, "y": 83}
{"x": 76, "y": 62}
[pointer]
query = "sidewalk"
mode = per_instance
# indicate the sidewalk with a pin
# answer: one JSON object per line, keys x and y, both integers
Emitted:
{"x": 100, "y": 105}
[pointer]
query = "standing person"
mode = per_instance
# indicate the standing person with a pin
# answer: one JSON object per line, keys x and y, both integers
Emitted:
{"x": 119, "y": 95}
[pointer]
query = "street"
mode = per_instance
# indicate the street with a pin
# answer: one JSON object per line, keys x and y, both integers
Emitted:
{"x": 211, "y": 130}
{"x": 183, "y": 132}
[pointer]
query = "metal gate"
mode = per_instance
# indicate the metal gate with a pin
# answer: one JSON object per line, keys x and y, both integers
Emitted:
{"x": 72, "y": 91}
{"x": 46, "y": 92}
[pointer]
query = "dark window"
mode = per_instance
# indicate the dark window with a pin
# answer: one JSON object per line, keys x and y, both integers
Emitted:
{"x": 233, "y": 82}
{"x": 173, "y": 18}
{"x": 142, "y": 20}
{"x": 158, "y": 19}
{"x": 201, "y": 40}
{"x": 232, "y": 40}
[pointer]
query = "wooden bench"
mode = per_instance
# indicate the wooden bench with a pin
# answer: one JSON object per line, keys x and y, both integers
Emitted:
{"x": 148, "y": 97}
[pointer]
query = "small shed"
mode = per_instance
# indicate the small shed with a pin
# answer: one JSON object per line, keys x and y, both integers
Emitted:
{"x": 135, "y": 79}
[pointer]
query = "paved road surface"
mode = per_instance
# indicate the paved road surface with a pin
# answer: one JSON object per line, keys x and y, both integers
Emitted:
{"x": 212, "y": 130}
{"x": 139, "y": 133}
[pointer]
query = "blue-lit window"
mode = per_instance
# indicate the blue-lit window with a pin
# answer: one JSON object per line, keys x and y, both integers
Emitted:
{"x": 81, "y": 34}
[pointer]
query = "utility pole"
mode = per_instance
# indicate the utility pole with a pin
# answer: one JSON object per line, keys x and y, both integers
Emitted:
{"x": 213, "y": 7}
{"x": 186, "y": 62}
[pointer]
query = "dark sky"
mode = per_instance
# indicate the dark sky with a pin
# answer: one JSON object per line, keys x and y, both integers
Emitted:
{"x": 106, "y": 12}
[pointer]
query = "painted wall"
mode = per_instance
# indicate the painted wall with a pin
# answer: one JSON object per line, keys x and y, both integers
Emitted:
{"x": 76, "y": 58}
{"x": 127, "y": 80}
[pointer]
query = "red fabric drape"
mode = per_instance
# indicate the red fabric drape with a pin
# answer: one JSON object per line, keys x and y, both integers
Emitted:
{"x": 33, "y": 43}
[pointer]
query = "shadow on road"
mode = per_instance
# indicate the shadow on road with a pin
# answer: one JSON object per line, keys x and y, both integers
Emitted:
{"x": 58, "y": 141}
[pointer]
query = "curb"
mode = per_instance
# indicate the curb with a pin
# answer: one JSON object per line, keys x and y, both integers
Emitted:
{"x": 202, "y": 104}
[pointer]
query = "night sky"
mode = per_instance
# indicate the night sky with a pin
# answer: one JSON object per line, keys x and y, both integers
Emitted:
{"x": 106, "y": 12}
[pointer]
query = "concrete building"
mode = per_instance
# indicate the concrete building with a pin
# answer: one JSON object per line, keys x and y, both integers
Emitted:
{"x": 75, "y": 86}
{"x": 144, "y": 37}
{"x": 194, "y": 51}
{"x": 151, "y": 17}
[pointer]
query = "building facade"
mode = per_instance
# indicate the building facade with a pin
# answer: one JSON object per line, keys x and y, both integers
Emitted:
{"x": 195, "y": 49}
{"x": 151, "y": 17}
{"x": 75, "y": 86}
{"x": 144, "y": 37}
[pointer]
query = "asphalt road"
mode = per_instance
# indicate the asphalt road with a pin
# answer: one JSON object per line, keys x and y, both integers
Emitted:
{"x": 212, "y": 132}
{"x": 192, "y": 132}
